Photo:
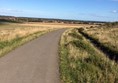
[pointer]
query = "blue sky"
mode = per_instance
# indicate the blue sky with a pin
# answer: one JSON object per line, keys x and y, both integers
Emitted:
{"x": 97, "y": 10}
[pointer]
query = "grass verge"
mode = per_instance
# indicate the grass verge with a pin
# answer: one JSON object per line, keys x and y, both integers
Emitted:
{"x": 82, "y": 62}
{"x": 7, "y": 46}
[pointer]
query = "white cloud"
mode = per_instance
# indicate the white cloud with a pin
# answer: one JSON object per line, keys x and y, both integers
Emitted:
{"x": 6, "y": 10}
{"x": 95, "y": 15}
{"x": 18, "y": 12}
{"x": 115, "y": 11}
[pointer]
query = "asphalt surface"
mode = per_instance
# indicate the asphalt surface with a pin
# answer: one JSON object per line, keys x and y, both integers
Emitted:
{"x": 34, "y": 62}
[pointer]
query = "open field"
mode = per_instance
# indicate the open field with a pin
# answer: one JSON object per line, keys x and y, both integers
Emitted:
{"x": 14, "y": 35}
{"x": 14, "y": 31}
{"x": 104, "y": 38}
{"x": 82, "y": 61}
{"x": 57, "y": 25}
{"x": 11, "y": 31}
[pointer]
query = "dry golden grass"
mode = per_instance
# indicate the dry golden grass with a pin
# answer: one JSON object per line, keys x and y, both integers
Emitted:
{"x": 11, "y": 31}
{"x": 107, "y": 36}
{"x": 14, "y": 35}
{"x": 57, "y": 25}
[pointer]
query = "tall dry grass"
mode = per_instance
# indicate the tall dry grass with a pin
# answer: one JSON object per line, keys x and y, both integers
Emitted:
{"x": 11, "y": 31}
{"x": 106, "y": 36}
{"x": 14, "y": 35}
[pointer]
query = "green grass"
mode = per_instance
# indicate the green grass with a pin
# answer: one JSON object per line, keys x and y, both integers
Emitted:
{"x": 81, "y": 62}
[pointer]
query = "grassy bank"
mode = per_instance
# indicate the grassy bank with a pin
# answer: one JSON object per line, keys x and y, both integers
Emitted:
{"x": 106, "y": 36}
{"x": 82, "y": 62}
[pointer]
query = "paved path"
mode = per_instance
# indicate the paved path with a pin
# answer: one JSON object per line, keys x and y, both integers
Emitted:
{"x": 34, "y": 62}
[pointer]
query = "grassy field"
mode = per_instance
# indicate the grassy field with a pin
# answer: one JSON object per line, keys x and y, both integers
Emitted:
{"x": 56, "y": 25}
{"x": 106, "y": 37}
{"x": 81, "y": 61}
{"x": 14, "y": 35}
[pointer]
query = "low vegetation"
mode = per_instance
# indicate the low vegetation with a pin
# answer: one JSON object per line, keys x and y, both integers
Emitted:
{"x": 106, "y": 37}
{"x": 82, "y": 62}
{"x": 14, "y": 35}
{"x": 13, "y": 19}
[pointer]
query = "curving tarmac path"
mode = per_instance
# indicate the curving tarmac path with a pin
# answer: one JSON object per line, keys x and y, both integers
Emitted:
{"x": 34, "y": 62}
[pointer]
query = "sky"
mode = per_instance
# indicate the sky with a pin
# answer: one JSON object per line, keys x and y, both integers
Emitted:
{"x": 93, "y": 10}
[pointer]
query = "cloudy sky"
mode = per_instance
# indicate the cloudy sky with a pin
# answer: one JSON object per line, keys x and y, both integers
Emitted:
{"x": 97, "y": 10}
